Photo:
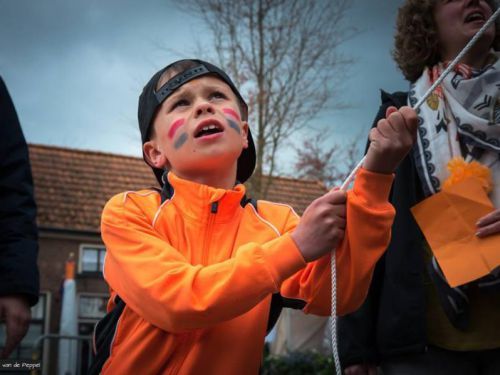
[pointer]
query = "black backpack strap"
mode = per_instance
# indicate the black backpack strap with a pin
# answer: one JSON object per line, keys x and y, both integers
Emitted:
{"x": 274, "y": 311}
{"x": 104, "y": 333}
{"x": 278, "y": 302}
{"x": 167, "y": 191}
{"x": 245, "y": 200}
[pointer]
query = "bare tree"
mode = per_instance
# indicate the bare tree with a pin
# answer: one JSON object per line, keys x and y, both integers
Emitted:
{"x": 329, "y": 165}
{"x": 284, "y": 55}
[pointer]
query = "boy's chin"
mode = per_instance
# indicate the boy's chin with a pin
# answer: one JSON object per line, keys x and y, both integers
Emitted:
{"x": 207, "y": 159}
{"x": 216, "y": 165}
{"x": 216, "y": 156}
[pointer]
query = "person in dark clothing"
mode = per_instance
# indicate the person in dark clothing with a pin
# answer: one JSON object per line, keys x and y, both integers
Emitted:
{"x": 18, "y": 232}
{"x": 412, "y": 322}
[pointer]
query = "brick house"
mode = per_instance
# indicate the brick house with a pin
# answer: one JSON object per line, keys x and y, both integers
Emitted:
{"x": 71, "y": 188}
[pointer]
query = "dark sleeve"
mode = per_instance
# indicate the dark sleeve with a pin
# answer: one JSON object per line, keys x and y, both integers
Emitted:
{"x": 18, "y": 231}
{"x": 357, "y": 331}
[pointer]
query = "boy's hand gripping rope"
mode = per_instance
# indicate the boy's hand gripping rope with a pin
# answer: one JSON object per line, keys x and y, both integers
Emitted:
{"x": 348, "y": 180}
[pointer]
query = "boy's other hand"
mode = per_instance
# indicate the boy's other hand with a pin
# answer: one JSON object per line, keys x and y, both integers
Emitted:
{"x": 322, "y": 225}
{"x": 391, "y": 140}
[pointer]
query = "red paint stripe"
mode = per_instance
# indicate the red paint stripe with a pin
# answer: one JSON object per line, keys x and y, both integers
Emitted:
{"x": 231, "y": 112}
{"x": 176, "y": 125}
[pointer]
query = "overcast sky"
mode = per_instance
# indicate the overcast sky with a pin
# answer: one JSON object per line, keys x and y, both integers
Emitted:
{"x": 75, "y": 68}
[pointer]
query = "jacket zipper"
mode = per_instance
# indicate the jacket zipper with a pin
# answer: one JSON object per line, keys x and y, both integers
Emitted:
{"x": 211, "y": 220}
{"x": 214, "y": 207}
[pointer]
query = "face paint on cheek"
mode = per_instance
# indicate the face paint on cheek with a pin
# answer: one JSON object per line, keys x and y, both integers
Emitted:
{"x": 231, "y": 112}
{"x": 232, "y": 116}
{"x": 180, "y": 141}
{"x": 176, "y": 125}
{"x": 233, "y": 125}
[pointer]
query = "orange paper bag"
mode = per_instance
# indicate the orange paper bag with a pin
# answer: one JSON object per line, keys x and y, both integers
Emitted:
{"x": 448, "y": 221}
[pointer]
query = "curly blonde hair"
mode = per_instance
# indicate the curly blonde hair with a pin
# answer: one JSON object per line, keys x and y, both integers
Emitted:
{"x": 416, "y": 43}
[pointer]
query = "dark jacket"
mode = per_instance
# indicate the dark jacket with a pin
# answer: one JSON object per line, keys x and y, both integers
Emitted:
{"x": 18, "y": 232}
{"x": 392, "y": 319}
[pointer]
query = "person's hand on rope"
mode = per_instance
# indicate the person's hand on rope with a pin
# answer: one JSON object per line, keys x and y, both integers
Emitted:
{"x": 15, "y": 312}
{"x": 361, "y": 369}
{"x": 489, "y": 224}
{"x": 391, "y": 140}
{"x": 322, "y": 225}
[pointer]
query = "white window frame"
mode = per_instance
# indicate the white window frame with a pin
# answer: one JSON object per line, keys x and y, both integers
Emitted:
{"x": 81, "y": 250}
{"x": 92, "y": 321}
{"x": 88, "y": 294}
{"x": 46, "y": 330}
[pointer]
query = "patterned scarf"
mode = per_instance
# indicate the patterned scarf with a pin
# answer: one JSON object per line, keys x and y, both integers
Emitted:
{"x": 461, "y": 118}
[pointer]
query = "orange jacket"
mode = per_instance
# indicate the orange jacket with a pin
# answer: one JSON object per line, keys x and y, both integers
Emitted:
{"x": 198, "y": 283}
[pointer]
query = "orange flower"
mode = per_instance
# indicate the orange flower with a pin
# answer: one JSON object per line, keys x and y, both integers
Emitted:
{"x": 461, "y": 170}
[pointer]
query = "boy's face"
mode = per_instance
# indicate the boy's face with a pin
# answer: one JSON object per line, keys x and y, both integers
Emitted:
{"x": 198, "y": 130}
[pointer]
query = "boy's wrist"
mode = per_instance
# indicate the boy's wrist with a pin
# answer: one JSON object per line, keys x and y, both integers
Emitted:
{"x": 375, "y": 186}
{"x": 301, "y": 246}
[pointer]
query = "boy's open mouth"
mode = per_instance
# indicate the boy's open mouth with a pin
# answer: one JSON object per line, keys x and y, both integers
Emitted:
{"x": 208, "y": 128}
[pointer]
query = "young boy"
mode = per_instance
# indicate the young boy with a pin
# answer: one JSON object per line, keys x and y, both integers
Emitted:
{"x": 197, "y": 272}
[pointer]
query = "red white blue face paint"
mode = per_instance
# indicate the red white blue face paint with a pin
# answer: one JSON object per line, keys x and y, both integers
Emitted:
{"x": 173, "y": 129}
{"x": 233, "y": 119}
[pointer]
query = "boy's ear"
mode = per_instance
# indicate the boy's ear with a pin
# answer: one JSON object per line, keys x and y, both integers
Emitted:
{"x": 244, "y": 133}
{"x": 154, "y": 156}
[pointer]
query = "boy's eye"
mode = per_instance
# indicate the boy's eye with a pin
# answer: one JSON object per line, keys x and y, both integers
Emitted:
{"x": 179, "y": 103}
{"x": 217, "y": 95}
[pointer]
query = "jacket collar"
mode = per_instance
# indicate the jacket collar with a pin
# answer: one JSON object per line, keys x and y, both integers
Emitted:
{"x": 200, "y": 201}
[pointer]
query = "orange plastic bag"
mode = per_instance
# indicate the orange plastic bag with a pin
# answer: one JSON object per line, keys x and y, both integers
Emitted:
{"x": 448, "y": 221}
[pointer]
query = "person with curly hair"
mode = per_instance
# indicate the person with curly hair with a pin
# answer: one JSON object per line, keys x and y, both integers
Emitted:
{"x": 412, "y": 321}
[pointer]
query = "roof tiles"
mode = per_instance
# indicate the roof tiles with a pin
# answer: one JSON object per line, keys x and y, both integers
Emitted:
{"x": 72, "y": 186}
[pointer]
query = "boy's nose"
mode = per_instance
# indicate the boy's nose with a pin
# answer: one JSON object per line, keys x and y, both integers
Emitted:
{"x": 204, "y": 108}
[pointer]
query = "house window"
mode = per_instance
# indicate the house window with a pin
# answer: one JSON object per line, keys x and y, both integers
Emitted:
{"x": 91, "y": 258}
{"x": 92, "y": 306}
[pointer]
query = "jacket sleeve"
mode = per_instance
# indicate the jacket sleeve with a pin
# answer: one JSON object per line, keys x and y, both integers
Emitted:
{"x": 18, "y": 231}
{"x": 175, "y": 295}
{"x": 358, "y": 330}
{"x": 369, "y": 219}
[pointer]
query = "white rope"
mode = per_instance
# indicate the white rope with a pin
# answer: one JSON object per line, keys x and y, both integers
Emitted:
{"x": 333, "y": 317}
{"x": 348, "y": 180}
